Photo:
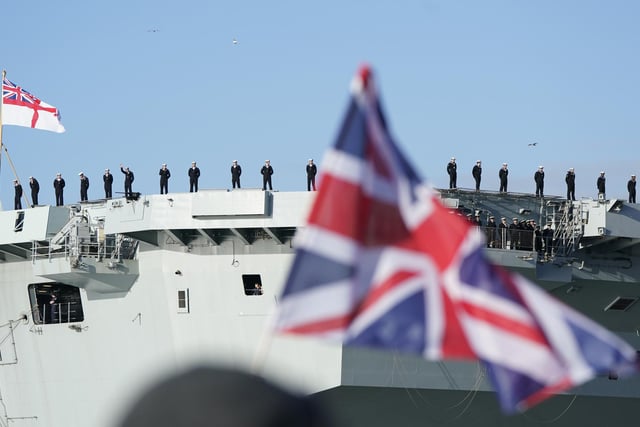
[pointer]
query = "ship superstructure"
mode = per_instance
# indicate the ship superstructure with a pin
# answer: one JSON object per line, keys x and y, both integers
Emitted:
{"x": 100, "y": 298}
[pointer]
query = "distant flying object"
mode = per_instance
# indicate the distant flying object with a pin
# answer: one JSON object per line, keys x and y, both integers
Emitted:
{"x": 533, "y": 144}
{"x": 235, "y": 41}
{"x": 153, "y": 30}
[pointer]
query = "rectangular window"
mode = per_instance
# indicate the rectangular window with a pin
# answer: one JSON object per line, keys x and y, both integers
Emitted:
{"x": 54, "y": 302}
{"x": 183, "y": 301}
{"x": 19, "y": 221}
{"x": 252, "y": 284}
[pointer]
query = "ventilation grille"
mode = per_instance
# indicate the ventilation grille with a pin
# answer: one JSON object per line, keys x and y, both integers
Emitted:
{"x": 621, "y": 304}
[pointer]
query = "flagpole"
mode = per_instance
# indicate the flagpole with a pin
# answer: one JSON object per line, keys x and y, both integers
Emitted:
{"x": 4, "y": 74}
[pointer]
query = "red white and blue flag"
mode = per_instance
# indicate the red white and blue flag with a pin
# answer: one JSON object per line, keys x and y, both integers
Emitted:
{"x": 21, "y": 108}
{"x": 382, "y": 263}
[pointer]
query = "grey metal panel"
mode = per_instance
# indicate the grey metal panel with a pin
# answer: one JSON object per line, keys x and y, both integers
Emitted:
{"x": 229, "y": 203}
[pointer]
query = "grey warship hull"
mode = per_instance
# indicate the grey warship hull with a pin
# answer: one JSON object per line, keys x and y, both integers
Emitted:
{"x": 149, "y": 285}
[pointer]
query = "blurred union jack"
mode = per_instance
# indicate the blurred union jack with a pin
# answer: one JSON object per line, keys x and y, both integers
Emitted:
{"x": 381, "y": 263}
{"x": 21, "y": 108}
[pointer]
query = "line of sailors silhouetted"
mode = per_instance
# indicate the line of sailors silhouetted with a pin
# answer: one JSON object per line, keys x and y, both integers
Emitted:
{"x": 165, "y": 174}
{"x": 523, "y": 235}
{"x": 538, "y": 178}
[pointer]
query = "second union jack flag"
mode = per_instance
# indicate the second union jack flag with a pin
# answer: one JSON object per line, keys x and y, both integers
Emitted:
{"x": 21, "y": 108}
{"x": 381, "y": 263}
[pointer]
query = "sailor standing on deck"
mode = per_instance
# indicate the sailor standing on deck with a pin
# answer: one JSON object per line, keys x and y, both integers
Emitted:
{"x": 194, "y": 175}
{"x": 600, "y": 183}
{"x": 477, "y": 174}
{"x": 236, "y": 171}
{"x": 503, "y": 174}
{"x": 452, "y": 170}
{"x": 108, "y": 183}
{"x": 312, "y": 170}
{"x": 266, "y": 172}
{"x": 84, "y": 187}
{"x": 631, "y": 187}
{"x": 17, "y": 203}
{"x": 58, "y": 185}
{"x": 165, "y": 174}
{"x": 538, "y": 177}
{"x": 570, "y": 179}
{"x": 128, "y": 180}
{"x": 35, "y": 189}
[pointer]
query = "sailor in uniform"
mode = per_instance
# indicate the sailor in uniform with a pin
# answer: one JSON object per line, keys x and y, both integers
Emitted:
{"x": 631, "y": 187}
{"x": 477, "y": 174}
{"x": 128, "y": 180}
{"x": 570, "y": 179}
{"x": 538, "y": 177}
{"x": 266, "y": 172}
{"x": 503, "y": 174}
{"x": 601, "y": 184}
{"x": 58, "y": 186}
{"x": 17, "y": 198}
{"x": 165, "y": 174}
{"x": 236, "y": 171}
{"x": 312, "y": 170}
{"x": 452, "y": 170}
{"x": 84, "y": 187}
{"x": 108, "y": 183}
{"x": 194, "y": 175}
{"x": 35, "y": 189}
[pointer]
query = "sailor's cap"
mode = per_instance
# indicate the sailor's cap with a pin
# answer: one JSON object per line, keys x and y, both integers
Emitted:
{"x": 164, "y": 164}
{"x": 80, "y": 173}
{"x": 267, "y": 161}
{"x": 571, "y": 169}
{"x": 601, "y": 172}
{"x": 235, "y": 161}
{"x": 503, "y": 218}
{"x": 515, "y": 219}
{"x": 15, "y": 180}
{"x": 311, "y": 160}
{"x": 106, "y": 170}
{"x": 58, "y": 174}
{"x": 632, "y": 175}
{"x": 540, "y": 167}
{"x": 453, "y": 158}
{"x": 504, "y": 164}
{"x": 492, "y": 217}
{"x": 193, "y": 163}
{"x": 30, "y": 177}
{"x": 478, "y": 161}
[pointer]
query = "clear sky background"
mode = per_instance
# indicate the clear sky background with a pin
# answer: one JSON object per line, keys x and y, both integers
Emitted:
{"x": 144, "y": 82}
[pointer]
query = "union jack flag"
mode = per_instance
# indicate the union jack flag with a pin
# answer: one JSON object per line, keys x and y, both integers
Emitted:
{"x": 21, "y": 108}
{"x": 382, "y": 263}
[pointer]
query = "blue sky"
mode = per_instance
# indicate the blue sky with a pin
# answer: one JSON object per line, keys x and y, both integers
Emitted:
{"x": 474, "y": 80}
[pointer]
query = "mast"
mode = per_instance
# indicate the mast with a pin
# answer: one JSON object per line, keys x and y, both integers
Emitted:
{"x": 4, "y": 148}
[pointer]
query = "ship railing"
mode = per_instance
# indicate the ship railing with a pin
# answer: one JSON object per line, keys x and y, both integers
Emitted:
{"x": 63, "y": 312}
{"x": 519, "y": 239}
{"x": 112, "y": 247}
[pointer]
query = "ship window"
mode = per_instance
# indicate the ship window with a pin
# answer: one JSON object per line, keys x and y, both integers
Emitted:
{"x": 252, "y": 284}
{"x": 183, "y": 300}
{"x": 19, "y": 221}
{"x": 620, "y": 303}
{"x": 54, "y": 302}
